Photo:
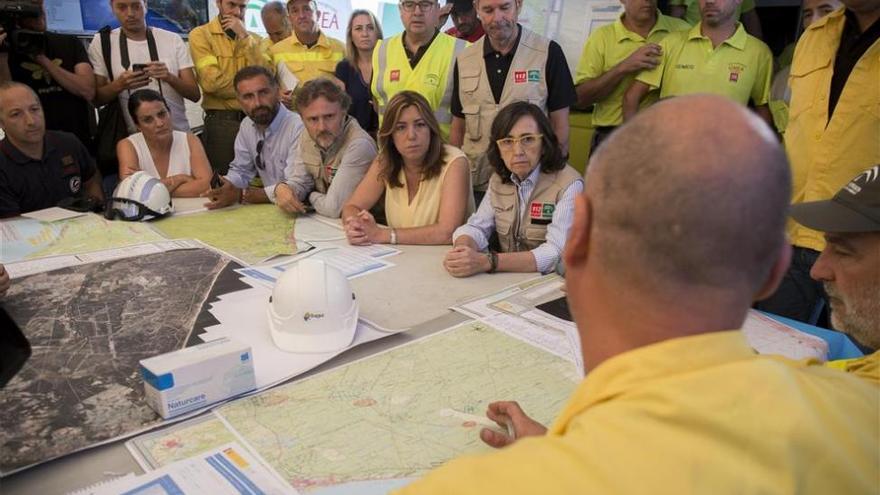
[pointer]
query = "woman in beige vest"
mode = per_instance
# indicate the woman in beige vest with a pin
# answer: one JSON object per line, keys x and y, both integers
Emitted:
{"x": 529, "y": 204}
{"x": 426, "y": 183}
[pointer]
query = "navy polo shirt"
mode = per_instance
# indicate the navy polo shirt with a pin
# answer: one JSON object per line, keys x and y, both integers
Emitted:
{"x": 27, "y": 184}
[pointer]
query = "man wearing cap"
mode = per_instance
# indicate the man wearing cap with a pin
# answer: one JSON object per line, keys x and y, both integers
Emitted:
{"x": 849, "y": 266}
{"x": 832, "y": 132}
{"x": 674, "y": 399}
{"x": 466, "y": 24}
{"x": 510, "y": 63}
{"x": 613, "y": 55}
{"x": 716, "y": 56}
{"x": 308, "y": 53}
{"x": 420, "y": 59}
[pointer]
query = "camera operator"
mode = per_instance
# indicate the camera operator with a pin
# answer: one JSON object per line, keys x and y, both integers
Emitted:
{"x": 58, "y": 70}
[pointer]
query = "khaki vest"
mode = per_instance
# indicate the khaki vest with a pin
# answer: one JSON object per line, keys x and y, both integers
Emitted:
{"x": 431, "y": 77}
{"x": 323, "y": 169}
{"x": 526, "y": 81}
{"x": 524, "y": 233}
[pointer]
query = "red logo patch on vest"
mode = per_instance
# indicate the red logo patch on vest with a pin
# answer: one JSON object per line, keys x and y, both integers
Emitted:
{"x": 520, "y": 77}
{"x": 395, "y": 75}
{"x": 541, "y": 213}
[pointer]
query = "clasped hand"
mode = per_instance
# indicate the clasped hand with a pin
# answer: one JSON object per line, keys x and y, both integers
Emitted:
{"x": 361, "y": 229}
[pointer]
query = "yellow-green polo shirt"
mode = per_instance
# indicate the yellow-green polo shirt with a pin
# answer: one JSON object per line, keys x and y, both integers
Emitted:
{"x": 740, "y": 68}
{"x": 692, "y": 415}
{"x": 307, "y": 63}
{"x": 692, "y": 15}
{"x": 608, "y": 46}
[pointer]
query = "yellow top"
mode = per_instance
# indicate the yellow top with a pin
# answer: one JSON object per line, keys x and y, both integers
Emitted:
{"x": 700, "y": 414}
{"x": 692, "y": 15}
{"x": 425, "y": 207}
{"x": 610, "y": 45}
{"x": 308, "y": 63}
{"x": 740, "y": 68}
{"x": 217, "y": 58}
{"x": 825, "y": 155}
{"x": 867, "y": 367}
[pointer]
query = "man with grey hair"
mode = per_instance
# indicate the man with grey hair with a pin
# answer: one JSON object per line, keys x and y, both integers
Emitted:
{"x": 275, "y": 22}
{"x": 680, "y": 228}
{"x": 849, "y": 265}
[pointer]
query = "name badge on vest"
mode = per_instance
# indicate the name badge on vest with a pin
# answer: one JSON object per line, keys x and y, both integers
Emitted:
{"x": 541, "y": 213}
{"x": 519, "y": 77}
{"x": 395, "y": 75}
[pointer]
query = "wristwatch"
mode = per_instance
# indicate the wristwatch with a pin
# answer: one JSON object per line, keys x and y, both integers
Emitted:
{"x": 493, "y": 261}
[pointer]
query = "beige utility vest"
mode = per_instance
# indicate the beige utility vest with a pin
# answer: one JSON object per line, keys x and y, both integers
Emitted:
{"x": 527, "y": 231}
{"x": 323, "y": 169}
{"x": 526, "y": 81}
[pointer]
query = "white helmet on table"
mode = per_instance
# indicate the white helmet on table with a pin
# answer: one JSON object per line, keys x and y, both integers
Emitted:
{"x": 312, "y": 309}
{"x": 140, "y": 196}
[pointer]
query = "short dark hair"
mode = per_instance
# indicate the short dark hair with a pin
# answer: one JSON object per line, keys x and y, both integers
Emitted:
{"x": 140, "y": 96}
{"x": 390, "y": 157}
{"x": 252, "y": 71}
{"x": 319, "y": 87}
{"x": 551, "y": 156}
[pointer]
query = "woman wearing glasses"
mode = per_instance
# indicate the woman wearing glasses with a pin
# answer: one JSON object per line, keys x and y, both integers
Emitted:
{"x": 426, "y": 183}
{"x": 176, "y": 158}
{"x": 529, "y": 203}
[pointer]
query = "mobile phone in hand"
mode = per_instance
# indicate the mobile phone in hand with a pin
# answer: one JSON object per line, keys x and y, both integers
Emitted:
{"x": 229, "y": 32}
{"x": 139, "y": 67}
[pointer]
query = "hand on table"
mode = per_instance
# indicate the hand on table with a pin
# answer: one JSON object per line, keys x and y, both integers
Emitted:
{"x": 361, "y": 229}
{"x": 464, "y": 261}
{"x": 223, "y": 196}
{"x": 506, "y": 413}
{"x": 286, "y": 199}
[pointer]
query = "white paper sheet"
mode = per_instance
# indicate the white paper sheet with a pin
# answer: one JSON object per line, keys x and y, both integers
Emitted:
{"x": 768, "y": 336}
{"x": 53, "y": 214}
{"x": 551, "y": 340}
{"x": 352, "y": 264}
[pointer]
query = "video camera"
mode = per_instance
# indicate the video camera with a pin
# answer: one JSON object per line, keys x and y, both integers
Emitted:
{"x": 24, "y": 41}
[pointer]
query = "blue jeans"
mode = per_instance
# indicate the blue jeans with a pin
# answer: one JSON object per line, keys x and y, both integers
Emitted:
{"x": 799, "y": 297}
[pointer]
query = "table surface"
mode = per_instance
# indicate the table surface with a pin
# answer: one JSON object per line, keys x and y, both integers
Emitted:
{"x": 414, "y": 294}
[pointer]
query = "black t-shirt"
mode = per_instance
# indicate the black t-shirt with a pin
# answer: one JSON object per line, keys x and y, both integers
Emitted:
{"x": 64, "y": 111}
{"x": 560, "y": 86}
{"x": 853, "y": 45}
{"x": 28, "y": 185}
{"x": 359, "y": 90}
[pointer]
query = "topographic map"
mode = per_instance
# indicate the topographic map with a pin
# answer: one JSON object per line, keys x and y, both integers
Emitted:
{"x": 386, "y": 418}
{"x": 25, "y": 238}
{"x": 89, "y": 326}
{"x": 250, "y": 233}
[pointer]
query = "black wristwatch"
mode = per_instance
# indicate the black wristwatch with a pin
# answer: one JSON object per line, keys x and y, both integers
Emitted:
{"x": 493, "y": 261}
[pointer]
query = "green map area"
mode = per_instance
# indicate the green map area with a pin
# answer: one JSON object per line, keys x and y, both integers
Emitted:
{"x": 251, "y": 233}
{"x": 25, "y": 238}
{"x": 390, "y": 416}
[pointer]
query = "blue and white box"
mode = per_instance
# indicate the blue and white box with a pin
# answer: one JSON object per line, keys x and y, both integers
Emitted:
{"x": 192, "y": 378}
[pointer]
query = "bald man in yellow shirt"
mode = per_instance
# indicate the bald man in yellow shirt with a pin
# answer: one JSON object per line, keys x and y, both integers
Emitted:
{"x": 675, "y": 401}
{"x": 716, "y": 56}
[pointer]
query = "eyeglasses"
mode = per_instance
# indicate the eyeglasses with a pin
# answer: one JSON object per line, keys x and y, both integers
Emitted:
{"x": 424, "y": 6}
{"x": 259, "y": 159}
{"x": 526, "y": 141}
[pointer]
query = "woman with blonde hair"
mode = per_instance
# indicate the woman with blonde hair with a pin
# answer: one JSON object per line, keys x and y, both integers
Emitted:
{"x": 426, "y": 183}
{"x": 356, "y": 69}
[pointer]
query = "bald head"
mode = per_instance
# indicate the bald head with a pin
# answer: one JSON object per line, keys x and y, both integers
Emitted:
{"x": 692, "y": 193}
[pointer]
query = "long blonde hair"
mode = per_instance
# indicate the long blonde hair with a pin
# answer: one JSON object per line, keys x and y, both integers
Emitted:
{"x": 351, "y": 51}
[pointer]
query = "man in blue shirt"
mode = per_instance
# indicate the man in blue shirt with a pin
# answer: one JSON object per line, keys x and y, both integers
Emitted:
{"x": 265, "y": 143}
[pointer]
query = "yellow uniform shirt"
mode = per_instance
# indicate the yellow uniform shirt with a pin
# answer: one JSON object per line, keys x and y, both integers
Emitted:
{"x": 825, "y": 154}
{"x": 308, "y": 63}
{"x": 701, "y": 414}
{"x": 217, "y": 59}
{"x": 867, "y": 367}
{"x": 740, "y": 68}
{"x": 607, "y": 47}
{"x": 692, "y": 14}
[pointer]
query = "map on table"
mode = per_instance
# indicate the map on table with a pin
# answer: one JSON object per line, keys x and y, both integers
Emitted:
{"x": 387, "y": 418}
{"x": 250, "y": 233}
{"x": 25, "y": 238}
{"x": 89, "y": 326}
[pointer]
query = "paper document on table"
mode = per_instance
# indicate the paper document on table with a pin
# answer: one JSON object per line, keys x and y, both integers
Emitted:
{"x": 768, "y": 336}
{"x": 352, "y": 264}
{"x": 230, "y": 469}
{"x": 551, "y": 340}
{"x": 31, "y": 267}
{"x": 53, "y": 214}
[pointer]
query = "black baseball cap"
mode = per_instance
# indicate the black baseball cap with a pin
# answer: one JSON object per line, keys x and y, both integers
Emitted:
{"x": 855, "y": 208}
{"x": 460, "y": 6}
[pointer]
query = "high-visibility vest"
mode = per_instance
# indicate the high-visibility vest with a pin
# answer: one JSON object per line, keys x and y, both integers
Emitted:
{"x": 431, "y": 77}
{"x": 526, "y": 81}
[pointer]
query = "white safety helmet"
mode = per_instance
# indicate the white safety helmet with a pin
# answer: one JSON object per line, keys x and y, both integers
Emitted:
{"x": 139, "y": 196}
{"x": 312, "y": 309}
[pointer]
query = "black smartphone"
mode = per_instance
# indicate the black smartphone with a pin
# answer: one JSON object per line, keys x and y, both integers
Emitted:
{"x": 216, "y": 182}
{"x": 229, "y": 32}
{"x": 139, "y": 67}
